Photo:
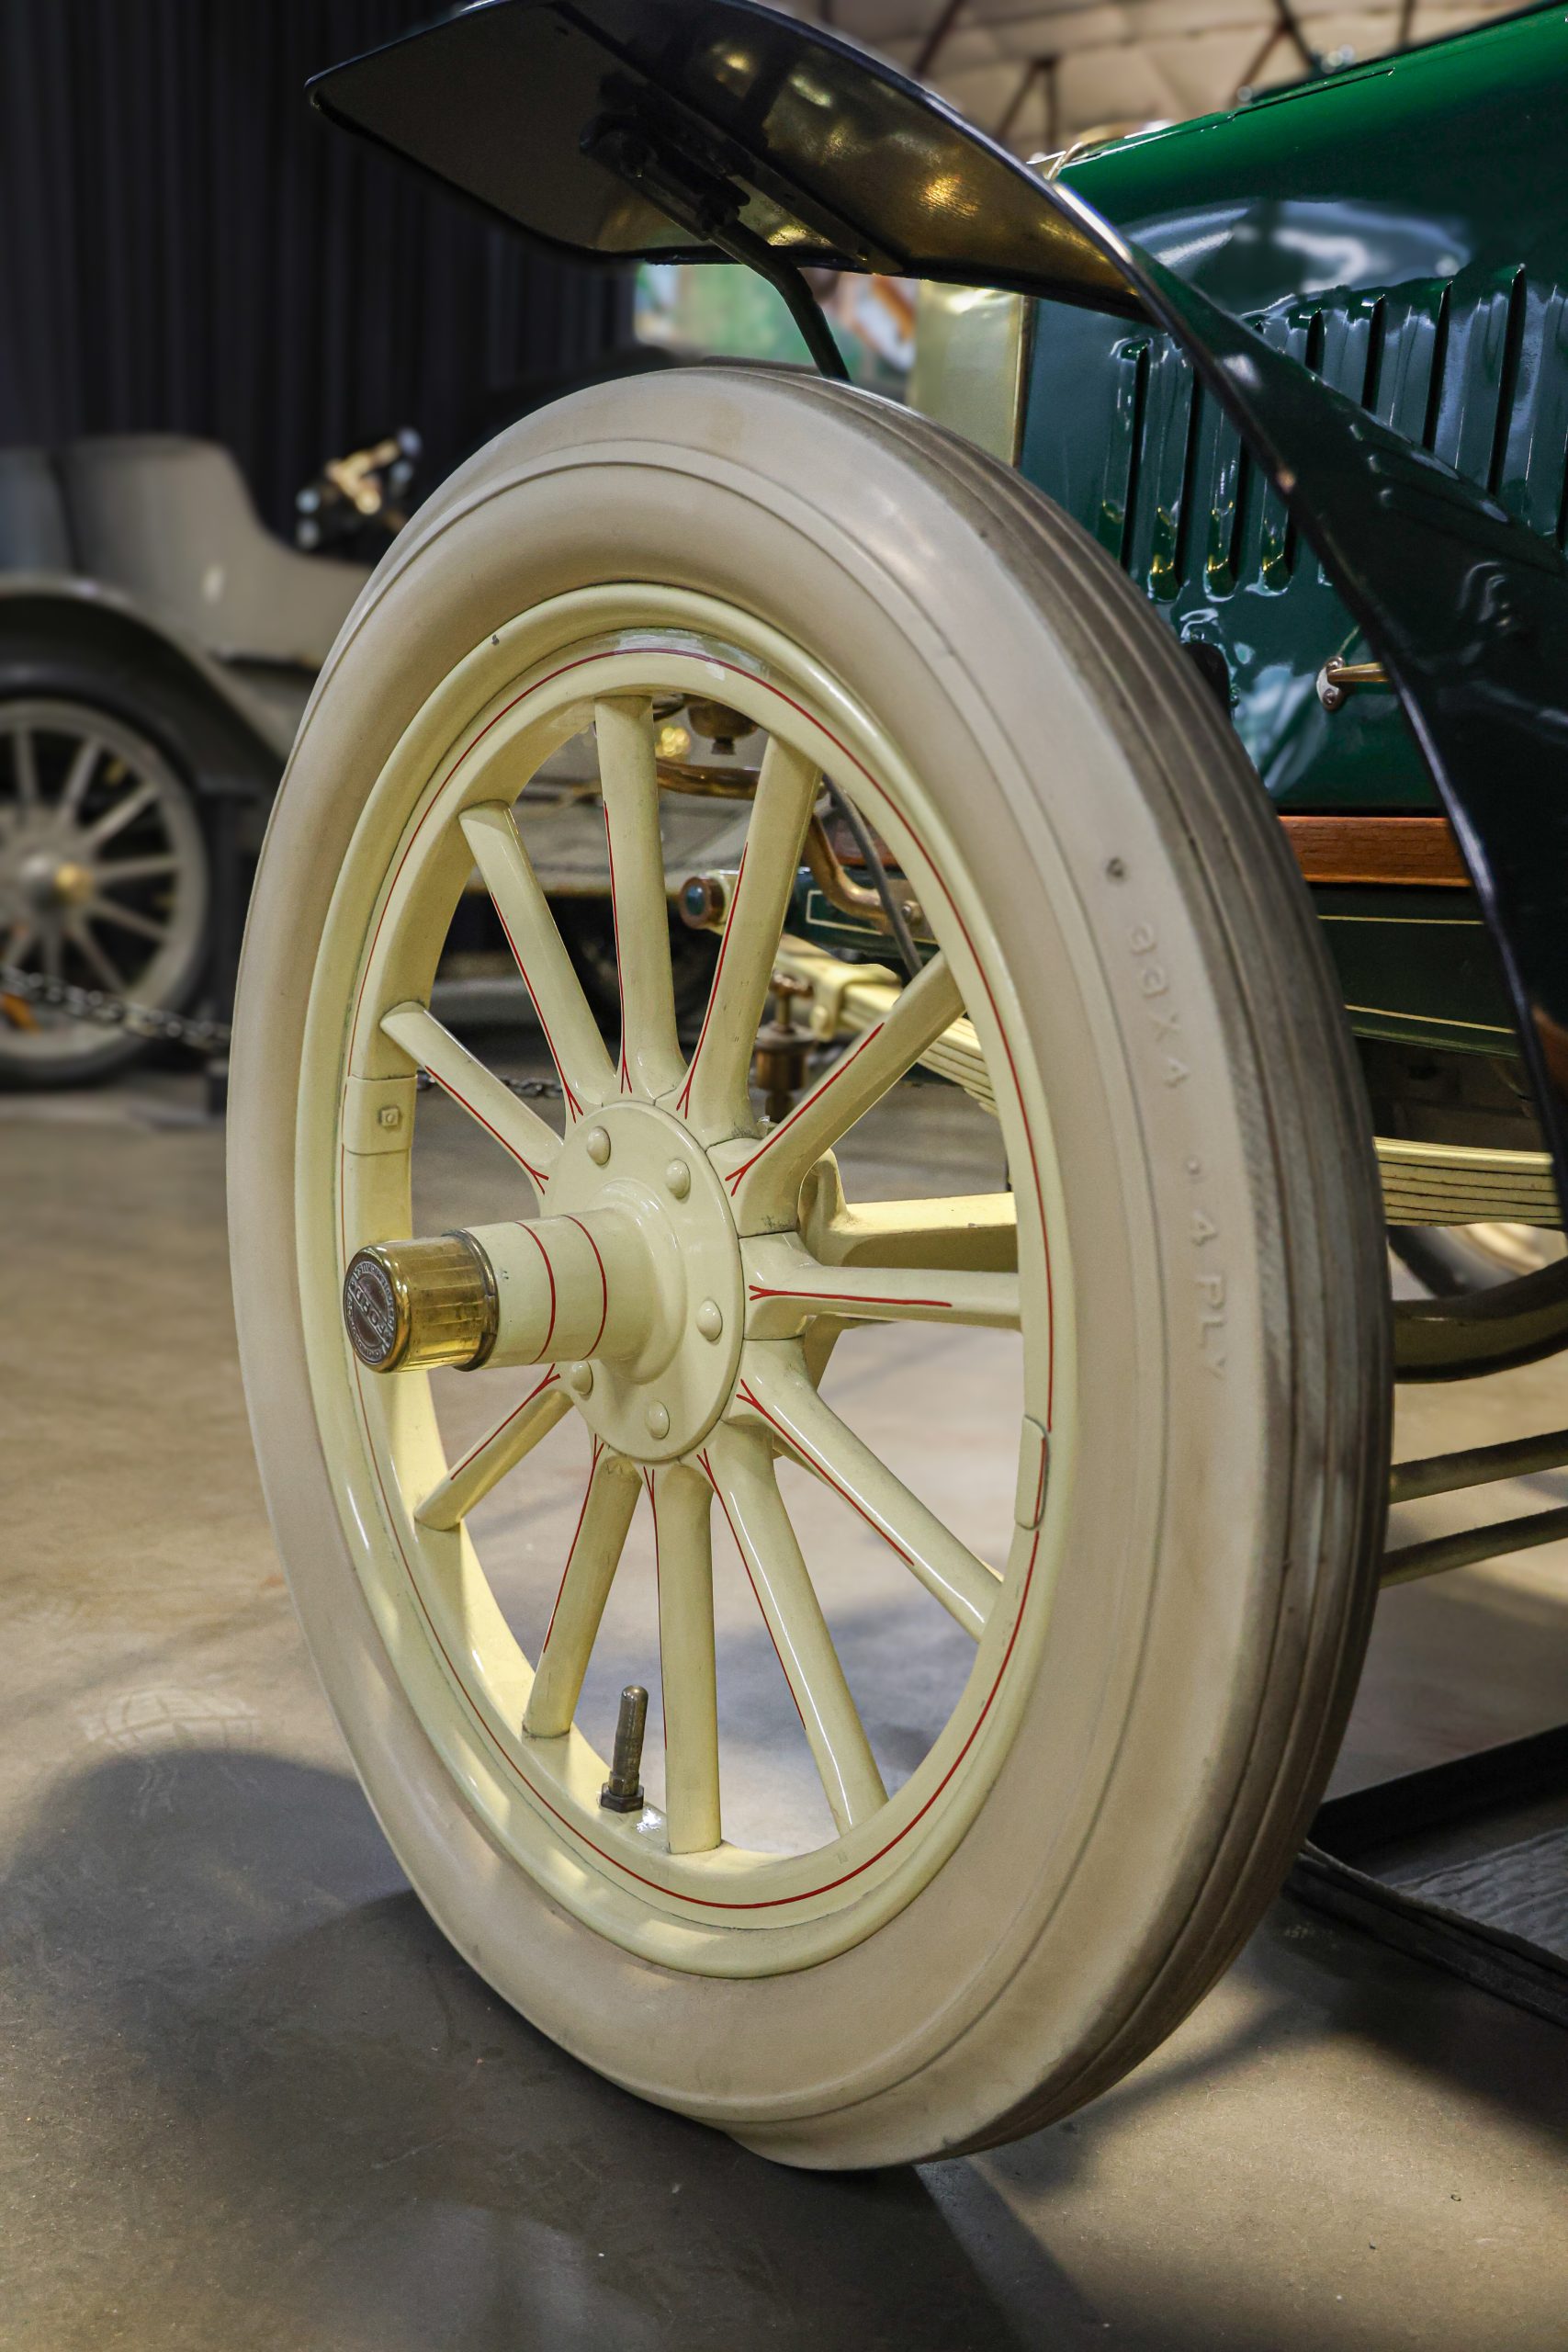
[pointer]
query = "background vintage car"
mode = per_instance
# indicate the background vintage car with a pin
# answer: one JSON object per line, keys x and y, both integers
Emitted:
{"x": 158, "y": 646}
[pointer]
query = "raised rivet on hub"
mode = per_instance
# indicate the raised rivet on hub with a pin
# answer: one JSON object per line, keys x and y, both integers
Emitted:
{"x": 579, "y": 1379}
{"x": 658, "y": 1420}
{"x": 678, "y": 1176}
{"x": 598, "y": 1145}
{"x": 710, "y": 1322}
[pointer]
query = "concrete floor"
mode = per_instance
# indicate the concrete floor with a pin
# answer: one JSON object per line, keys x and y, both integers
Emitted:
{"x": 249, "y": 2099}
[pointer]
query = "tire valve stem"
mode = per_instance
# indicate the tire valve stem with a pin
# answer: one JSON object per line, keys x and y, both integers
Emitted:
{"x": 622, "y": 1792}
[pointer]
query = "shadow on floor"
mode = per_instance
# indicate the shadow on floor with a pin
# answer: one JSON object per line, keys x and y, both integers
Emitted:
{"x": 261, "y": 2101}
{"x": 256, "y": 2099}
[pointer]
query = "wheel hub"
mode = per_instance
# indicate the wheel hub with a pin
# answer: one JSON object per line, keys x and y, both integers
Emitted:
{"x": 50, "y": 883}
{"x": 631, "y": 1280}
{"x": 659, "y": 1401}
{"x": 42, "y": 874}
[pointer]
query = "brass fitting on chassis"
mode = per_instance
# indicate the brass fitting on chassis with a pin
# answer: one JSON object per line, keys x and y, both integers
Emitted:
{"x": 507, "y": 1294}
{"x": 1338, "y": 678}
{"x": 780, "y": 1055}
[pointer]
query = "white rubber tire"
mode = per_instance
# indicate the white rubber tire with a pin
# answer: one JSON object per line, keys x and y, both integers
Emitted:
{"x": 1225, "y": 1508}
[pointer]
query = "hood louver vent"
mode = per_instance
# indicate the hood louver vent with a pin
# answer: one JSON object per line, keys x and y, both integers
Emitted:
{"x": 1475, "y": 368}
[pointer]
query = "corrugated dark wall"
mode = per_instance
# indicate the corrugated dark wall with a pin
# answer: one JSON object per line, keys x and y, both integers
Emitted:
{"x": 186, "y": 245}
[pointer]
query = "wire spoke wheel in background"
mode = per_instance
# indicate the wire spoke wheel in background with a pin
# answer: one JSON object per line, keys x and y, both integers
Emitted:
{"x": 103, "y": 881}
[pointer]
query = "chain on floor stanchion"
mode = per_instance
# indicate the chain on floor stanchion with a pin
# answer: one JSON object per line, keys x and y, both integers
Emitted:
{"x": 108, "y": 1012}
{"x": 149, "y": 1021}
{"x": 531, "y": 1089}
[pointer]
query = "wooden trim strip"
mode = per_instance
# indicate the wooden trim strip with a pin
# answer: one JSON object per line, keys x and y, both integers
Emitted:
{"x": 1420, "y": 851}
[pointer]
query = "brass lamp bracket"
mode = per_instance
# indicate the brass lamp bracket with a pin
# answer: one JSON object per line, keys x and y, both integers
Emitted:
{"x": 1338, "y": 678}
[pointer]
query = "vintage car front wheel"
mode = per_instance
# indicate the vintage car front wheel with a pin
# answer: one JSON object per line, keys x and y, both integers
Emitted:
{"x": 1009, "y": 1876}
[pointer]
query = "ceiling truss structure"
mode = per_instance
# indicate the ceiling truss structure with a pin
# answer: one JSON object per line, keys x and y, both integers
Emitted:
{"x": 1039, "y": 73}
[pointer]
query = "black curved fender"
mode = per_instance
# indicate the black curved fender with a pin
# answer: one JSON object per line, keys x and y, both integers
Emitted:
{"x": 1468, "y": 610}
{"x": 643, "y": 129}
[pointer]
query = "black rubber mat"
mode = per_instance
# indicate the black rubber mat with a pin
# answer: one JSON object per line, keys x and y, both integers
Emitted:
{"x": 1464, "y": 1865}
{"x": 1521, "y": 1888}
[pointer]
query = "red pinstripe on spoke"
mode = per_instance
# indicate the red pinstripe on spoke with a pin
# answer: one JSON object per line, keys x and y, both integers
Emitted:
{"x": 808, "y": 1103}
{"x": 753, "y": 1582}
{"x": 625, "y": 1073}
{"x": 821, "y": 1470}
{"x": 503, "y": 1426}
{"x": 536, "y": 1175}
{"x": 658, "y": 1605}
{"x": 842, "y": 1298}
{"x": 568, "y": 1097}
{"x": 684, "y": 1098}
{"x": 571, "y": 1547}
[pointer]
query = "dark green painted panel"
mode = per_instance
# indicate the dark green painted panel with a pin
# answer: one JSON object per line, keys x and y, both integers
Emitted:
{"x": 1418, "y": 966}
{"x": 1365, "y": 225}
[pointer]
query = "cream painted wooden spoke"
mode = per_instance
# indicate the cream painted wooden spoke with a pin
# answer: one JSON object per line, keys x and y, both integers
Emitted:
{"x": 607, "y": 1508}
{"x": 651, "y": 1061}
{"x": 715, "y": 1098}
{"x": 465, "y": 1488}
{"x": 766, "y": 1185}
{"x": 531, "y": 1141}
{"x": 777, "y": 1395}
{"x": 682, "y": 1533}
{"x": 785, "y": 1287}
{"x": 740, "y": 1464}
{"x": 582, "y": 1065}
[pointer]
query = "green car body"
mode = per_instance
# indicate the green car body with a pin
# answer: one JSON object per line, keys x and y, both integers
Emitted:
{"x": 1360, "y": 222}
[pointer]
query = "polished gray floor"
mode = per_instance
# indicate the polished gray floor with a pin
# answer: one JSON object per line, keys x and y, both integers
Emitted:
{"x": 248, "y": 2098}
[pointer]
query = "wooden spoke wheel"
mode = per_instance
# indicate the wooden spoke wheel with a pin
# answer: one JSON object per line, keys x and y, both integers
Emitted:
{"x": 1004, "y": 1882}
